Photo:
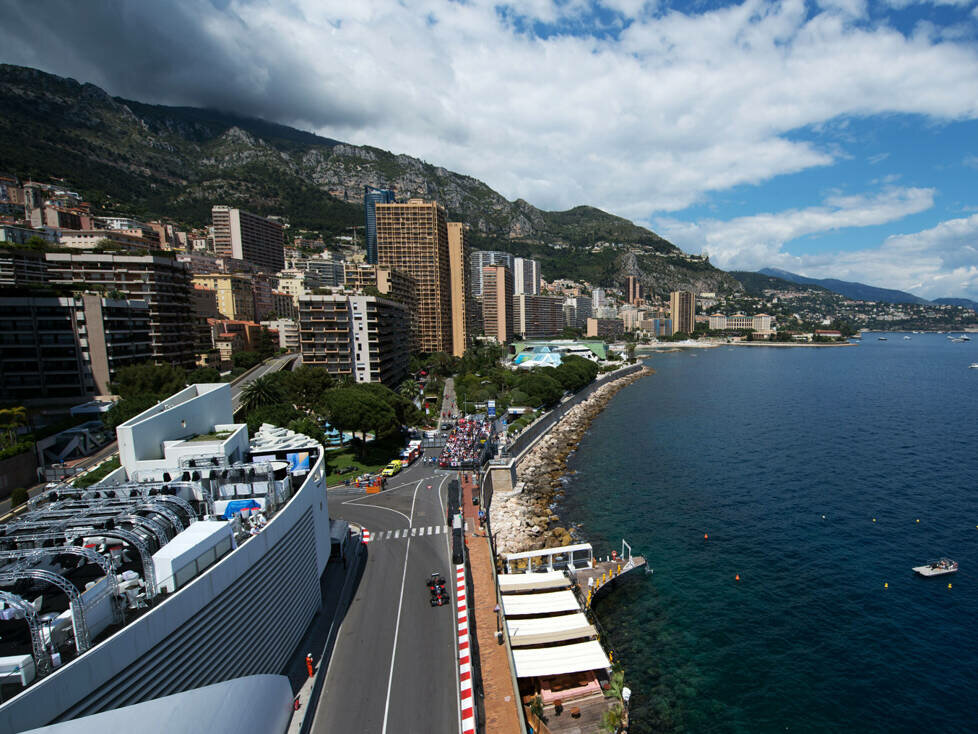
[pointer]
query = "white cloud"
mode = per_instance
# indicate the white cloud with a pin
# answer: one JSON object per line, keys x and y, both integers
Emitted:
{"x": 651, "y": 119}
{"x": 936, "y": 262}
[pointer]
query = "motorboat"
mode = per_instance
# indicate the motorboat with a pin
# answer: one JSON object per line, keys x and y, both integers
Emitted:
{"x": 937, "y": 568}
{"x": 973, "y": 366}
{"x": 881, "y": 338}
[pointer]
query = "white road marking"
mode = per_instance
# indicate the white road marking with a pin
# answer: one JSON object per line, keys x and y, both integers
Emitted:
{"x": 400, "y": 604}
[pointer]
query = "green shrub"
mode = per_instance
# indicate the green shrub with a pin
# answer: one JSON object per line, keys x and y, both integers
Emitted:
{"x": 18, "y": 497}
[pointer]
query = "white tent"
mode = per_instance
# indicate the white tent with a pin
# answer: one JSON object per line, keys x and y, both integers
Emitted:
{"x": 515, "y": 582}
{"x": 554, "y": 602}
{"x": 560, "y": 659}
{"x": 549, "y": 629}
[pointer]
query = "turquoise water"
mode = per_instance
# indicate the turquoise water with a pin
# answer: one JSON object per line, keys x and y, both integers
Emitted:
{"x": 753, "y": 447}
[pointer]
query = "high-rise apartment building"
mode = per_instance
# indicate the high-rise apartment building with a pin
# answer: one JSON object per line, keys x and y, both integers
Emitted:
{"x": 481, "y": 259}
{"x": 497, "y": 302}
{"x": 371, "y": 198}
{"x": 68, "y": 348}
{"x": 633, "y": 289}
{"x": 526, "y": 276}
{"x": 599, "y": 298}
{"x": 535, "y": 317}
{"x": 162, "y": 282}
{"x": 682, "y": 305}
{"x": 463, "y": 313}
{"x": 413, "y": 239}
{"x": 247, "y": 236}
{"x": 235, "y": 298}
{"x": 577, "y": 311}
{"x": 365, "y": 337}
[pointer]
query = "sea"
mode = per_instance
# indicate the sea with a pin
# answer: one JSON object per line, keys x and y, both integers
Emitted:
{"x": 781, "y": 497}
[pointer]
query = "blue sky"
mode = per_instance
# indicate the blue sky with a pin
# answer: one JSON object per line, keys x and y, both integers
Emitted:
{"x": 834, "y": 138}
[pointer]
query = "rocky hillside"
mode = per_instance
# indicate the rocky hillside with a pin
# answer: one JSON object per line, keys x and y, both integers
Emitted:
{"x": 175, "y": 162}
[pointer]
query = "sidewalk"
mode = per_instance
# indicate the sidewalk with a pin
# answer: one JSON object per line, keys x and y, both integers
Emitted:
{"x": 337, "y": 584}
{"x": 499, "y": 700}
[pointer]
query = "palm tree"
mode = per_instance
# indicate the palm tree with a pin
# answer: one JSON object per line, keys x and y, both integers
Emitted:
{"x": 260, "y": 392}
{"x": 614, "y": 717}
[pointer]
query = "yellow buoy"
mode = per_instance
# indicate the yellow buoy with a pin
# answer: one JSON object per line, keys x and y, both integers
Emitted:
{"x": 874, "y": 519}
{"x": 886, "y": 585}
{"x": 949, "y": 586}
{"x": 918, "y": 519}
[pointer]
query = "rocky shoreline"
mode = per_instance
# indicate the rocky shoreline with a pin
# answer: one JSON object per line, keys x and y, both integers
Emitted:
{"x": 526, "y": 521}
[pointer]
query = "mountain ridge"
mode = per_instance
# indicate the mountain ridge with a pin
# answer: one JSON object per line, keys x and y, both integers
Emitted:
{"x": 850, "y": 289}
{"x": 157, "y": 161}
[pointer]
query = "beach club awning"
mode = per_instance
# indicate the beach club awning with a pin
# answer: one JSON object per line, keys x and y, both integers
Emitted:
{"x": 544, "y": 630}
{"x": 554, "y": 602}
{"x": 510, "y": 583}
{"x": 560, "y": 659}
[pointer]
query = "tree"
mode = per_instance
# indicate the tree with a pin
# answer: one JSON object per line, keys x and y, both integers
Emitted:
{"x": 279, "y": 414}
{"x": 307, "y": 385}
{"x": 18, "y": 496}
{"x": 204, "y": 374}
{"x": 127, "y": 408}
{"x": 10, "y": 420}
{"x": 260, "y": 392}
{"x": 245, "y": 360}
{"x": 352, "y": 409}
{"x": 157, "y": 380}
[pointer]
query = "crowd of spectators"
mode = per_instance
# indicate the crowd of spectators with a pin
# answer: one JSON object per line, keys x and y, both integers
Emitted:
{"x": 465, "y": 443}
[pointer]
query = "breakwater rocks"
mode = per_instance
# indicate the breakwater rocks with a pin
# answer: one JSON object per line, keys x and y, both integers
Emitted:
{"x": 526, "y": 521}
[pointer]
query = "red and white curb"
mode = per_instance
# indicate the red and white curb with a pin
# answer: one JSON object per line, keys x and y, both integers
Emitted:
{"x": 466, "y": 700}
{"x": 364, "y": 535}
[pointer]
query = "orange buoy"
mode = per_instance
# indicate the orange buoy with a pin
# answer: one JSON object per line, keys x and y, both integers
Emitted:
{"x": 706, "y": 536}
{"x": 737, "y": 577}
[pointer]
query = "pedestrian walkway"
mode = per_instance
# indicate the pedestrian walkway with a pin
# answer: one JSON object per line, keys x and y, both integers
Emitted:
{"x": 499, "y": 699}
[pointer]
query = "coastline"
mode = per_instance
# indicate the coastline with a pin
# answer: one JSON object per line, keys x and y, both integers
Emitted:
{"x": 526, "y": 520}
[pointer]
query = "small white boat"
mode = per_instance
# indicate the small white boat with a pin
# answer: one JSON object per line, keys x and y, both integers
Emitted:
{"x": 937, "y": 568}
{"x": 973, "y": 366}
{"x": 881, "y": 338}
{"x": 907, "y": 338}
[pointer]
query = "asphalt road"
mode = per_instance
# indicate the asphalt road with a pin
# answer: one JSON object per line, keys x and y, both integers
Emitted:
{"x": 273, "y": 365}
{"x": 394, "y": 667}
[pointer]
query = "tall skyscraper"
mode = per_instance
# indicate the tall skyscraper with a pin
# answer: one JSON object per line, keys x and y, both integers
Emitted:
{"x": 248, "y": 237}
{"x": 683, "y": 307}
{"x": 483, "y": 259}
{"x": 526, "y": 276}
{"x": 413, "y": 238}
{"x": 633, "y": 289}
{"x": 497, "y": 302}
{"x": 599, "y": 297}
{"x": 371, "y": 197}
{"x": 462, "y": 311}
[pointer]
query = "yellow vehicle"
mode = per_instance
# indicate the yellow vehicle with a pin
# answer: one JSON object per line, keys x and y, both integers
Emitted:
{"x": 393, "y": 468}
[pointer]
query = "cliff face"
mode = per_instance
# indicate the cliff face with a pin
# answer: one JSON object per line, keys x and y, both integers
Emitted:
{"x": 175, "y": 162}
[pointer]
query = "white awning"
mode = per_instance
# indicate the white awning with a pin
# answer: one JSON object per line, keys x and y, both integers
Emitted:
{"x": 514, "y": 582}
{"x": 542, "y": 630}
{"x": 546, "y": 552}
{"x": 560, "y": 659}
{"x": 554, "y": 602}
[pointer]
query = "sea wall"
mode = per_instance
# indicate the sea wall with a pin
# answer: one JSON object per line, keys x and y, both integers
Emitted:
{"x": 525, "y": 520}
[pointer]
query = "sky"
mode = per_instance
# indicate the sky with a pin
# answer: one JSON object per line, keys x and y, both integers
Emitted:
{"x": 831, "y": 138}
